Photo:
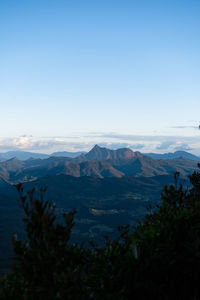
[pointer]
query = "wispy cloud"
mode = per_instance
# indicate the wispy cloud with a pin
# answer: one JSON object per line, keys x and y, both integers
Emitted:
{"x": 48, "y": 145}
{"x": 184, "y": 127}
{"x": 133, "y": 137}
{"x": 165, "y": 145}
{"x": 85, "y": 142}
{"x": 184, "y": 147}
{"x": 174, "y": 146}
{"x": 121, "y": 145}
{"x": 153, "y": 143}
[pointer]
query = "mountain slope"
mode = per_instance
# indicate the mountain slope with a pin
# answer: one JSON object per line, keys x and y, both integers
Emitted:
{"x": 100, "y": 153}
{"x": 99, "y": 162}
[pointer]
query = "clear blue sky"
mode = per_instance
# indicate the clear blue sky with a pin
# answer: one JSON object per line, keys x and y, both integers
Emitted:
{"x": 128, "y": 67}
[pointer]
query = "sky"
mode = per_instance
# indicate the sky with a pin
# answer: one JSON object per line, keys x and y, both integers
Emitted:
{"x": 117, "y": 73}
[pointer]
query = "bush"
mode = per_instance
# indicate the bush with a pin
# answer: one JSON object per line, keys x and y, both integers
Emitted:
{"x": 160, "y": 259}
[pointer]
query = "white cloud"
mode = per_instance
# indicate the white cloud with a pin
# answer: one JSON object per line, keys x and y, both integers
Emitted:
{"x": 85, "y": 142}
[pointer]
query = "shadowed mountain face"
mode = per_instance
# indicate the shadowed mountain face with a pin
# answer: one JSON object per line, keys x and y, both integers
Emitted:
{"x": 101, "y": 203}
{"x": 99, "y": 162}
{"x": 146, "y": 166}
{"x": 9, "y": 167}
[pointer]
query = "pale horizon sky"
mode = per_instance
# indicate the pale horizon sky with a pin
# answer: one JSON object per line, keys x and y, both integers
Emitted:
{"x": 76, "y": 73}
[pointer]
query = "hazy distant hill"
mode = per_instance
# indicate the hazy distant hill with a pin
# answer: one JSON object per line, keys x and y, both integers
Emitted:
{"x": 24, "y": 155}
{"x": 176, "y": 154}
{"x": 67, "y": 154}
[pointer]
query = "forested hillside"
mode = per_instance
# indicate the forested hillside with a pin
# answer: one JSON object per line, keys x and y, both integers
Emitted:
{"x": 158, "y": 259}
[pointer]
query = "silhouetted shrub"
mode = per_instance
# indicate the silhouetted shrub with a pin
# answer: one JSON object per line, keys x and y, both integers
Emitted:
{"x": 160, "y": 259}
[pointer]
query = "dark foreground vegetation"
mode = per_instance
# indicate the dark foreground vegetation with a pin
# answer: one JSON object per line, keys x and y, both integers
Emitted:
{"x": 159, "y": 259}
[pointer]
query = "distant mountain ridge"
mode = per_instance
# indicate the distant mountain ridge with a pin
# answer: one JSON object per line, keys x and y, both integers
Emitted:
{"x": 24, "y": 155}
{"x": 68, "y": 154}
{"x": 96, "y": 153}
{"x": 98, "y": 162}
{"x": 176, "y": 154}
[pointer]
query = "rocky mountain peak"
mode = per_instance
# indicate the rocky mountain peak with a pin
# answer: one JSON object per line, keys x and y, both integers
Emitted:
{"x": 102, "y": 153}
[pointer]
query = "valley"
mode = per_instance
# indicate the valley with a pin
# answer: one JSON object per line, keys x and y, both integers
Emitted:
{"x": 107, "y": 188}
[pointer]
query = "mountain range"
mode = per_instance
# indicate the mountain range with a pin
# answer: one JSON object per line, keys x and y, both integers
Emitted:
{"x": 98, "y": 162}
{"x": 24, "y": 155}
{"x": 177, "y": 154}
{"x": 107, "y": 187}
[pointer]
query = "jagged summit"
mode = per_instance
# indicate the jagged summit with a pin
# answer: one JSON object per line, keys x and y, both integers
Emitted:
{"x": 102, "y": 153}
{"x": 97, "y": 147}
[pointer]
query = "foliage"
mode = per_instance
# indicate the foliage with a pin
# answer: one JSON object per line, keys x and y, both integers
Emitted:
{"x": 47, "y": 267}
{"x": 159, "y": 259}
{"x": 168, "y": 244}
